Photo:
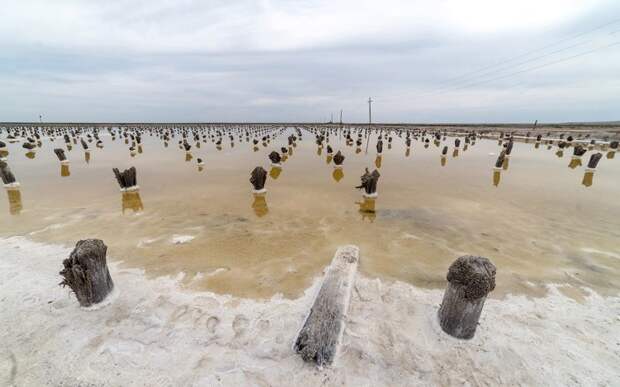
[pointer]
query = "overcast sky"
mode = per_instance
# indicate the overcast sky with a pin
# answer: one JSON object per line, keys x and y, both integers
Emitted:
{"x": 270, "y": 60}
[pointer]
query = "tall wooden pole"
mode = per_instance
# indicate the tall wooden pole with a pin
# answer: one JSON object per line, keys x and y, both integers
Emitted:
{"x": 369, "y": 121}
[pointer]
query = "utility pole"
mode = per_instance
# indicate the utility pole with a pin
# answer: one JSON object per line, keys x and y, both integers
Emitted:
{"x": 340, "y": 131}
{"x": 331, "y": 120}
{"x": 370, "y": 101}
{"x": 40, "y": 118}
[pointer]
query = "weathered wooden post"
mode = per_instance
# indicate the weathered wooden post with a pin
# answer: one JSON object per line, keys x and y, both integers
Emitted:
{"x": 320, "y": 335}
{"x": 86, "y": 272}
{"x": 258, "y": 177}
{"x": 275, "y": 159}
{"x": 60, "y": 153}
{"x": 8, "y": 178}
{"x": 470, "y": 279}
{"x": 127, "y": 180}
{"x": 588, "y": 175}
{"x": 338, "y": 160}
{"x": 369, "y": 183}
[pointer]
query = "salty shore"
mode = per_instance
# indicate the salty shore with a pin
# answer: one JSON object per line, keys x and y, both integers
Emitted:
{"x": 155, "y": 332}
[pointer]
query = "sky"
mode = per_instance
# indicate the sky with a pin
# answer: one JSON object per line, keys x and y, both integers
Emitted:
{"x": 305, "y": 61}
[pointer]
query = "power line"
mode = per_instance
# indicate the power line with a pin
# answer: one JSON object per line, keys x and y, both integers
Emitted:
{"x": 538, "y": 67}
{"x": 532, "y": 51}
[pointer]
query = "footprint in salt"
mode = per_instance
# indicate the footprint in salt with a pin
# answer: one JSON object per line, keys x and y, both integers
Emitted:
{"x": 240, "y": 325}
{"x": 212, "y": 323}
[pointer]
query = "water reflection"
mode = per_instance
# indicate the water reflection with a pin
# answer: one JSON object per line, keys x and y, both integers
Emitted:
{"x": 275, "y": 172}
{"x": 574, "y": 162}
{"x": 443, "y": 160}
{"x": 506, "y": 163}
{"x": 455, "y": 153}
{"x": 132, "y": 201}
{"x": 328, "y": 159}
{"x": 407, "y": 152}
{"x": 367, "y": 208}
{"x": 611, "y": 154}
{"x": 378, "y": 161}
{"x": 15, "y": 201}
{"x": 260, "y": 204}
{"x": 338, "y": 174}
{"x": 64, "y": 170}
{"x": 588, "y": 177}
{"x": 497, "y": 174}
{"x": 31, "y": 155}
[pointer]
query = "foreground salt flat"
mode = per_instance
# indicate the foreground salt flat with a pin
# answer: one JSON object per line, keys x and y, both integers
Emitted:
{"x": 155, "y": 333}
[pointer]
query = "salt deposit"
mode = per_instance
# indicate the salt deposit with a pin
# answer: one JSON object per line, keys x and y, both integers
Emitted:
{"x": 153, "y": 332}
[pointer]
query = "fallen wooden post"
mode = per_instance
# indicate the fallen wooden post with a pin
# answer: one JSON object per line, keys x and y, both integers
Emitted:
{"x": 320, "y": 335}
{"x": 470, "y": 279}
{"x": 86, "y": 272}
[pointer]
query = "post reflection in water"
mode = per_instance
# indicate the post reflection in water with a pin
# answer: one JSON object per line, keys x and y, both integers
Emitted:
{"x": 611, "y": 154}
{"x": 407, "y": 152}
{"x": 15, "y": 201}
{"x": 338, "y": 174}
{"x": 319, "y": 151}
{"x": 328, "y": 159}
{"x": 443, "y": 160}
{"x": 367, "y": 208}
{"x": 188, "y": 156}
{"x": 64, "y": 170}
{"x": 275, "y": 172}
{"x": 588, "y": 178}
{"x": 132, "y": 201}
{"x": 31, "y": 155}
{"x": 260, "y": 204}
{"x": 505, "y": 163}
{"x": 87, "y": 157}
{"x": 497, "y": 174}
{"x": 574, "y": 163}
{"x": 455, "y": 153}
{"x": 378, "y": 161}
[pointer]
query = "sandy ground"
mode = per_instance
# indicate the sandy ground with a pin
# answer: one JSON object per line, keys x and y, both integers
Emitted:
{"x": 152, "y": 332}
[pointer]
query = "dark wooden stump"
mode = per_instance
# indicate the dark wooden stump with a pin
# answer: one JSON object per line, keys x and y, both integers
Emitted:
{"x": 369, "y": 182}
{"x": 320, "y": 335}
{"x": 338, "y": 158}
{"x": 5, "y": 173}
{"x": 60, "y": 153}
{"x": 275, "y": 157}
{"x": 500, "y": 159}
{"x": 470, "y": 279}
{"x": 594, "y": 159}
{"x": 258, "y": 178}
{"x": 86, "y": 272}
{"x": 127, "y": 178}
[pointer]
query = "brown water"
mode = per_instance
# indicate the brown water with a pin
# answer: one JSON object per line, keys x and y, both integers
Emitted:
{"x": 539, "y": 223}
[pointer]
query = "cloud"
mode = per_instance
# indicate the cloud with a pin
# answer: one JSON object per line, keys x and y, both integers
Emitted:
{"x": 164, "y": 60}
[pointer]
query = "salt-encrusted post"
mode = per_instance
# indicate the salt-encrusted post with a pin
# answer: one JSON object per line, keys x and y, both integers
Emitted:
{"x": 86, "y": 272}
{"x": 321, "y": 333}
{"x": 470, "y": 279}
{"x": 127, "y": 179}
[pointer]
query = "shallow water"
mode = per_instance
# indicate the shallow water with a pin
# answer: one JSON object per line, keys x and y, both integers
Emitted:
{"x": 538, "y": 224}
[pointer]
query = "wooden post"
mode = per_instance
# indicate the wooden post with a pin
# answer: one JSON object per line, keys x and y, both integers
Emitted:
{"x": 127, "y": 180}
{"x": 8, "y": 178}
{"x": 470, "y": 279}
{"x": 369, "y": 183}
{"x": 258, "y": 178}
{"x": 86, "y": 272}
{"x": 322, "y": 330}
